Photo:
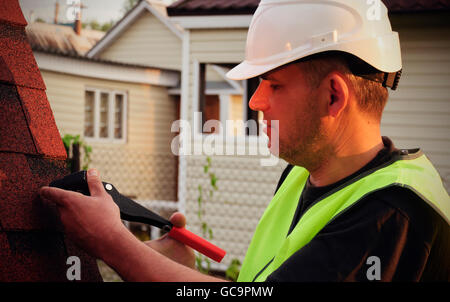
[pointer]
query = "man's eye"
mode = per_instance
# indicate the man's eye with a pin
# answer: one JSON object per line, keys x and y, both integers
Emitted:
{"x": 274, "y": 87}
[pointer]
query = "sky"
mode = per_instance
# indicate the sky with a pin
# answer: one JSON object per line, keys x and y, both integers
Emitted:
{"x": 100, "y": 10}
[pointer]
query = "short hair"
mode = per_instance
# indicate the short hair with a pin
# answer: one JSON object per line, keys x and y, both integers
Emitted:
{"x": 366, "y": 80}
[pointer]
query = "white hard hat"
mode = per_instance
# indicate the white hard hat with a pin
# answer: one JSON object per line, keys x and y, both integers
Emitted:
{"x": 283, "y": 31}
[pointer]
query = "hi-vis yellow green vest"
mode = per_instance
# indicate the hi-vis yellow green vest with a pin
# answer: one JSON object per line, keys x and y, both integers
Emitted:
{"x": 270, "y": 246}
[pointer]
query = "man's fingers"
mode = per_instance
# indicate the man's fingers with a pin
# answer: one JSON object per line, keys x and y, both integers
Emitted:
{"x": 56, "y": 195}
{"x": 94, "y": 182}
{"x": 178, "y": 220}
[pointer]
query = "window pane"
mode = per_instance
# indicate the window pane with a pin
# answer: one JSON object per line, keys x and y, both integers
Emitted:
{"x": 104, "y": 114}
{"x": 211, "y": 112}
{"x": 89, "y": 113}
{"x": 260, "y": 116}
{"x": 236, "y": 114}
{"x": 118, "y": 111}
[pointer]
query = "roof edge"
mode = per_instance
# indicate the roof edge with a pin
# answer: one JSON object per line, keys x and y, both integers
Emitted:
{"x": 102, "y": 61}
{"x": 125, "y": 22}
{"x": 220, "y": 7}
{"x": 82, "y": 66}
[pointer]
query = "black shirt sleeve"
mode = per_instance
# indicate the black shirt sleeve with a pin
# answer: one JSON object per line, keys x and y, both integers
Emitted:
{"x": 409, "y": 238}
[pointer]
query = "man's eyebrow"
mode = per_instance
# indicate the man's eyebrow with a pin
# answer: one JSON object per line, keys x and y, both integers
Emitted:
{"x": 267, "y": 77}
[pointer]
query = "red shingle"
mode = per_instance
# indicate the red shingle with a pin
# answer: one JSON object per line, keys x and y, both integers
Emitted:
{"x": 18, "y": 65}
{"x": 32, "y": 256}
{"x": 10, "y": 12}
{"x": 41, "y": 256}
{"x": 89, "y": 268}
{"x": 32, "y": 245}
{"x": 5, "y": 73}
{"x": 20, "y": 205}
{"x": 14, "y": 133}
{"x": 41, "y": 122}
{"x": 32, "y": 242}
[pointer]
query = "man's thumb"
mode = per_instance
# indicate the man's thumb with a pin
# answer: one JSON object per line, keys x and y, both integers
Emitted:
{"x": 178, "y": 220}
{"x": 95, "y": 183}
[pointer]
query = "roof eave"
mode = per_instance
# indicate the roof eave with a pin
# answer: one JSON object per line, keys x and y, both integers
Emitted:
{"x": 82, "y": 66}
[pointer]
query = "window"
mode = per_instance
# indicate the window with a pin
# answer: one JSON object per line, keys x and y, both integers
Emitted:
{"x": 250, "y": 87}
{"x": 221, "y": 99}
{"x": 105, "y": 115}
{"x": 211, "y": 111}
{"x": 89, "y": 113}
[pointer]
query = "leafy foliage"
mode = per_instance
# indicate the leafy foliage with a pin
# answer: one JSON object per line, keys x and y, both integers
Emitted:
{"x": 94, "y": 24}
{"x": 207, "y": 232}
{"x": 129, "y": 4}
{"x": 233, "y": 270}
{"x": 69, "y": 140}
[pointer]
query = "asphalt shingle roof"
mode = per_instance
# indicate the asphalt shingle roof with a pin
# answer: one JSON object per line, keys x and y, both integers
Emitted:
{"x": 33, "y": 246}
{"x": 235, "y": 7}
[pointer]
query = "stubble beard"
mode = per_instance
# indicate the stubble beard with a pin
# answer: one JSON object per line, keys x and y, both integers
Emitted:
{"x": 306, "y": 147}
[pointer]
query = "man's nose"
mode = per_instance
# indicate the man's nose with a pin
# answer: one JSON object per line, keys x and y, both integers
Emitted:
{"x": 260, "y": 99}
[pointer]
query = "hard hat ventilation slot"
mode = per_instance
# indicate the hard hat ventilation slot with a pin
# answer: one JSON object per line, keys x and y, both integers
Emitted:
{"x": 325, "y": 39}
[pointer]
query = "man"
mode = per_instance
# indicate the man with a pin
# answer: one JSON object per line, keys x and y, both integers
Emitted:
{"x": 349, "y": 199}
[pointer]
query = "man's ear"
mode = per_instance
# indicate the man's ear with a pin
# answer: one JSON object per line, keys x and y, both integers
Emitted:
{"x": 337, "y": 93}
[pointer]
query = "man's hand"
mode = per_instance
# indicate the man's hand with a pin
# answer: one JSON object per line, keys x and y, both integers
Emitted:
{"x": 93, "y": 222}
{"x": 90, "y": 221}
{"x": 174, "y": 249}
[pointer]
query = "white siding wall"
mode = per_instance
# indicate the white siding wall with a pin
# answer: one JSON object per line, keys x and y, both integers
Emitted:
{"x": 418, "y": 113}
{"x": 144, "y": 166}
{"x": 214, "y": 46}
{"x": 146, "y": 42}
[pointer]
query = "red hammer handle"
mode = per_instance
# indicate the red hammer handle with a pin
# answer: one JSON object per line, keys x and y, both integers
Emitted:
{"x": 197, "y": 243}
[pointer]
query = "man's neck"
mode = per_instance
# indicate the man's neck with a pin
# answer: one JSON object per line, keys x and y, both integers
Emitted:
{"x": 346, "y": 160}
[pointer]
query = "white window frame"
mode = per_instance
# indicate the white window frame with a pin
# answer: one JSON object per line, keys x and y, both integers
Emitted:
{"x": 225, "y": 99}
{"x": 111, "y": 115}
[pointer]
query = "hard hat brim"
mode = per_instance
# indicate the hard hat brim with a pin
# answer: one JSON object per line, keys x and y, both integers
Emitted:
{"x": 245, "y": 71}
{"x": 386, "y": 60}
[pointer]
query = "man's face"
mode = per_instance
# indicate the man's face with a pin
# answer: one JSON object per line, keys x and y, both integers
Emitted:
{"x": 285, "y": 95}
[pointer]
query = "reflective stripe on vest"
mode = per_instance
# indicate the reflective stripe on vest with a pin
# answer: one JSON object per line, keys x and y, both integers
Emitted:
{"x": 270, "y": 247}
